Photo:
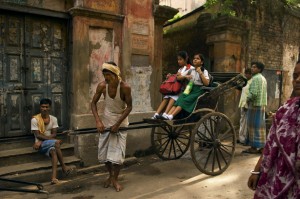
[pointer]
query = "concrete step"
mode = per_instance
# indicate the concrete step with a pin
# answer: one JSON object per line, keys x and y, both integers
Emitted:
{"x": 28, "y": 154}
{"x": 44, "y": 175}
{"x": 26, "y": 141}
{"x": 18, "y": 142}
{"x": 41, "y": 175}
{"x": 35, "y": 166}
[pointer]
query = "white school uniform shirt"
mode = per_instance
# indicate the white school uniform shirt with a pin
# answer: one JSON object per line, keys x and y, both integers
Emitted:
{"x": 197, "y": 78}
{"x": 184, "y": 71}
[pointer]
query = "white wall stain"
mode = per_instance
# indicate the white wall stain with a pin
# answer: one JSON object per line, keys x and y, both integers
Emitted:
{"x": 140, "y": 88}
{"x": 101, "y": 52}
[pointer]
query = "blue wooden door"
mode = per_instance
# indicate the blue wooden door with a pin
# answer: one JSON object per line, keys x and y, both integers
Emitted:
{"x": 32, "y": 66}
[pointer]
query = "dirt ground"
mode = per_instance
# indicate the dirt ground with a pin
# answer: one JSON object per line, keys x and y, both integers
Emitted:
{"x": 154, "y": 178}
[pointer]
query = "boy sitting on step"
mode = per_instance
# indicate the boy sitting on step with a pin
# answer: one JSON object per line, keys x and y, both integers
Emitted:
{"x": 44, "y": 127}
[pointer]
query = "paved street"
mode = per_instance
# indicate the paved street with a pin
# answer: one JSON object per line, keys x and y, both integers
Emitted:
{"x": 154, "y": 178}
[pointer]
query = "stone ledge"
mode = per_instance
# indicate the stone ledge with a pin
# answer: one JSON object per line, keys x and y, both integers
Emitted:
{"x": 87, "y": 12}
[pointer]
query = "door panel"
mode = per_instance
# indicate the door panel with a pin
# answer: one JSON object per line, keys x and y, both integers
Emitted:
{"x": 13, "y": 76}
{"x": 14, "y": 123}
{"x": 46, "y": 54}
{"x": 2, "y": 113}
{"x": 32, "y": 66}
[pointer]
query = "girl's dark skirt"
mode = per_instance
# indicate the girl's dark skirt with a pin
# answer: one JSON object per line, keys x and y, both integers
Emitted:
{"x": 188, "y": 102}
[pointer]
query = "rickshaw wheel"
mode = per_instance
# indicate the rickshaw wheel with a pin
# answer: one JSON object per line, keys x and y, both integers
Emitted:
{"x": 169, "y": 142}
{"x": 213, "y": 143}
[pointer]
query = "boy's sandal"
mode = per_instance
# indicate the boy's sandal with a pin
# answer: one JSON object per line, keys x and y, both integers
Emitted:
{"x": 54, "y": 181}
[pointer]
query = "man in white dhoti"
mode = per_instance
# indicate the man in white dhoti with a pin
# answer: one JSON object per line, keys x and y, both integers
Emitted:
{"x": 117, "y": 106}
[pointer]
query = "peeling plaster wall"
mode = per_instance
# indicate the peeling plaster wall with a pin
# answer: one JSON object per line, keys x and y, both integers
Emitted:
{"x": 114, "y": 6}
{"x": 140, "y": 82}
{"x": 138, "y": 52}
{"x": 93, "y": 41}
{"x": 290, "y": 55}
{"x": 100, "y": 43}
{"x": 275, "y": 40}
{"x": 129, "y": 44}
{"x": 57, "y": 5}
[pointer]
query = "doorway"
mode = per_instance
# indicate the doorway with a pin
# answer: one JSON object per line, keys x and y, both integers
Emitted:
{"x": 33, "y": 65}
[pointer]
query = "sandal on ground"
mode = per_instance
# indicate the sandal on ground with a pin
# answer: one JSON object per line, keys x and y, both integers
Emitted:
{"x": 55, "y": 181}
{"x": 251, "y": 151}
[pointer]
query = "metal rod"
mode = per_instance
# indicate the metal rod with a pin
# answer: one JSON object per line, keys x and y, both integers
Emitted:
{"x": 77, "y": 132}
{"x": 20, "y": 182}
{"x": 38, "y": 190}
{"x": 140, "y": 122}
{"x": 24, "y": 190}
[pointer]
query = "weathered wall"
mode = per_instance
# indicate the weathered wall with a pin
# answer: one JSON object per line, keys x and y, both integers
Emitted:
{"x": 231, "y": 44}
{"x": 55, "y": 5}
{"x": 274, "y": 39}
{"x": 122, "y": 31}
{"x": 291, "y": 50}
{"x": 186, "y": 36}
{"x": 128, "y": 32}
{"x": 93, "y": 40}
{"x": 138, "y": 51}
{"x": 127, "y": 37}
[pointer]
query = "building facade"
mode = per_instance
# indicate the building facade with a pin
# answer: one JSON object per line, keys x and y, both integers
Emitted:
{"x": 183, "y": 6}
{"x": 55, "y": 49}
{"x": 230, "y": 44}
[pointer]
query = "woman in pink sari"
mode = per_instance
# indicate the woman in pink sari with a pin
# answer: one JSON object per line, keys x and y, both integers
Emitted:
{"x": 277, "y": 172}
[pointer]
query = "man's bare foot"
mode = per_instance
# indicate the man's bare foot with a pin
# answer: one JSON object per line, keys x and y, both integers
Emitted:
{"x": 117, "y": 186}
{"x": 107, "y": 183}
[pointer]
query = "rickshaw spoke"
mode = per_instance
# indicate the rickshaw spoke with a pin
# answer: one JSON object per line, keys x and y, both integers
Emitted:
{"x": 213, "y": 163}
{"x": 186, "y": 138}
{"x": 182, "y": 142}
{"x": 174, "y": 148}
{"x": 211, "y": 155}
{"x": 158, "y": 139}
{"x": 225, "y": 145}
{"x": 212, "y": 128}
{"x": 170, "y": 148}
{"x": 207, "y": 159}
{"x": 217, "y": 156}
{"x": 224, "y": 136}
{"x": 161, "y": 133}
{"x": 170, "y": 142}
{"x": 179, "y": 145}
{"x": 225, "y": 150}
{"x": 217, "y": 126}
{"x": 166, "y": 142}
{"x": 204, "y": 137}
{"x": 208, "y": 130}
{"x": 222, "y": 156}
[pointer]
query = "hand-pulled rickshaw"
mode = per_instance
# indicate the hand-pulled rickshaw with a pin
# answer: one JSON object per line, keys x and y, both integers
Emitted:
{"x": 209, "y": 134}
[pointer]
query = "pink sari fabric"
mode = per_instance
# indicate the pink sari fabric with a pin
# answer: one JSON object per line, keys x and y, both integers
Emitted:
{"x": 281, "y": 159}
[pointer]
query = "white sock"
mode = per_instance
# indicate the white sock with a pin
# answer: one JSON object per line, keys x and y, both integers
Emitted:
{"x": 170, "y": 117}
{"x": 156, "y": 114}
{"x": 165, "y": 114}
